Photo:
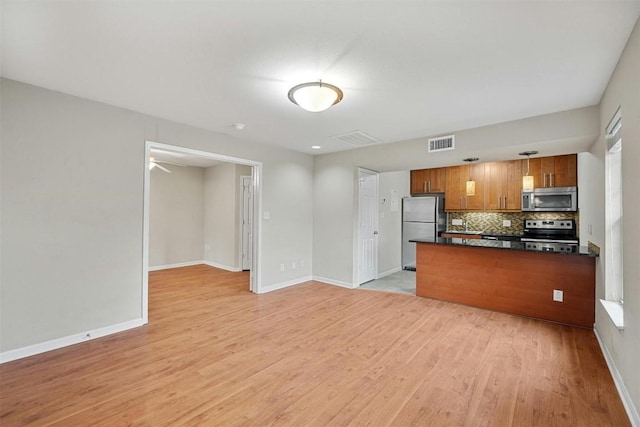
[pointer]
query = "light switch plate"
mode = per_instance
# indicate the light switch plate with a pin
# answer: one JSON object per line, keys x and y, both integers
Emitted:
{"x": 558, "y": 295}
{"x": 506, "y": 223}
{"x": 456, "y": 222}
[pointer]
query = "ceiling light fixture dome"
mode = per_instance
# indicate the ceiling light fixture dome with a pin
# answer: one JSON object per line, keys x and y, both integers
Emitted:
{"x": 315, "y": 96}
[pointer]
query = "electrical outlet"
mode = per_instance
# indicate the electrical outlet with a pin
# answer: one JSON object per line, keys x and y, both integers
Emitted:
{"x": 293, "y": 265}
{"x": 281, "y": 267}
{"x": 456, "y": 222}
{"x": 506, "y": 223}
{"x": 558, "y": 295}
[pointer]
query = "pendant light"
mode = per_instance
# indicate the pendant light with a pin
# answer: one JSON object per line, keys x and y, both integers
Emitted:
{"x": 315, "y": 96}
{"x": 527, "y": 180}
{"x": 471, "y": 184}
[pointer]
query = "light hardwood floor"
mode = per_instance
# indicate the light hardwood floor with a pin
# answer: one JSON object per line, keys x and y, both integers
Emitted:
{"x": 314, "y": 354}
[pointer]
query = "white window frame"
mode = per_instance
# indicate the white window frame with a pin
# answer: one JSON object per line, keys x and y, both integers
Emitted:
{"x": 614, "y": 234}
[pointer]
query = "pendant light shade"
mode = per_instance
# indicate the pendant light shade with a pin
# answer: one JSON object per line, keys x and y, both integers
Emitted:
{"x": 315, "y": 96}
{"x": 527, "y": 180}
{"x": 471, "y": 188}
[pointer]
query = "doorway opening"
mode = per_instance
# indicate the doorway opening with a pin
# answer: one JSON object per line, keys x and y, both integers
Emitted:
{"x": 252, "y": 205}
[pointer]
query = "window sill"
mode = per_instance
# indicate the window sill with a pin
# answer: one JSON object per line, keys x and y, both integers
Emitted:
{"x": 615, "y": 312}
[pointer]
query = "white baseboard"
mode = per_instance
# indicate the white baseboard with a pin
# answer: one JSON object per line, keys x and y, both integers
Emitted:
{"x": 57, "y": 343}
{"x": 180, "y": 264}
{"x": 221, "y": 266}
{"x": 632, "y": 411}
{"x": 335, "y": 282}
{"x": 389, "y": 272}
{"x": 282, "y": 285}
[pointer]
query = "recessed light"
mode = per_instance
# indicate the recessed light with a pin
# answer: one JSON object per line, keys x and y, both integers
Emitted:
{"x": 238, "y": 126}
{"x": 315, "y": 147}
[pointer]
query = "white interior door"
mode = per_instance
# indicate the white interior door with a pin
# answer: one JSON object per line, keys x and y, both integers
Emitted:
{"x": 367, "y": 226}
{"x": 247, "y": 222}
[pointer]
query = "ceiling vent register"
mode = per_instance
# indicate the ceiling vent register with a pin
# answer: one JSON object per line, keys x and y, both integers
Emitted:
{"x": 357, "y": 138}
{"x": 442, "y": 143}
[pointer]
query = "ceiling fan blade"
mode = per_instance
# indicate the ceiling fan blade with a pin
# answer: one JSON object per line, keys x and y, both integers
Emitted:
{"x": 169, "y": 163}
{"x": 162, "y": 167}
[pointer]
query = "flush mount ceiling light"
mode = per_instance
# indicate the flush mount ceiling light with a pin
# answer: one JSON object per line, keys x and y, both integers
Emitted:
{"x": 527, "y": 180}
{"x": 471, "y": 184}
{"x": 315, "y": 96}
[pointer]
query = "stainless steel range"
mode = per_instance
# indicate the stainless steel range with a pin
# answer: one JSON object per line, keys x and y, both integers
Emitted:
{"x": 556, "y": 235}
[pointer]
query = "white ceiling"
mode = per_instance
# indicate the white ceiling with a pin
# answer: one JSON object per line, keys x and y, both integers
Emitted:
{"x": 408, "y": 69}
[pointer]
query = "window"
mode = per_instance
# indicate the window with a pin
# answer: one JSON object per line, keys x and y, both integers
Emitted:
{"x": 613, "y": 221}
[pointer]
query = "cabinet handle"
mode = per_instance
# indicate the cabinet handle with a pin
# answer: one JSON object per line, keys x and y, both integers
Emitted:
{"x": 544, "y": 176}
{"x": 504, "y": 204}
{"x": 551, "y": 180}
{"x": 429, "y": 186}
{"x": 460, "y": 202}
{"x": 425, "y": 186}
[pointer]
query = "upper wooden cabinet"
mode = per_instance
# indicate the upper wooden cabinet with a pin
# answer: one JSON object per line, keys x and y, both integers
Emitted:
{"x": 425, "y": 181}
{"x": 556, "y": 171}
{"x": 503, "y": 185}
{"x": 455, "y": 198}
{"x": 498, "y": 184}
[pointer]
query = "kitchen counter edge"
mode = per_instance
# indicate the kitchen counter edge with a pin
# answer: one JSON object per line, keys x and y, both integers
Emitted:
{"x": 499, "y": 244}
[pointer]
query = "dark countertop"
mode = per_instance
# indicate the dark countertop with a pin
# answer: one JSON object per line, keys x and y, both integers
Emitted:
{"x": 499, "y": 236}
{"x": 499, "y": 244}
{"x": 503, "y": 235}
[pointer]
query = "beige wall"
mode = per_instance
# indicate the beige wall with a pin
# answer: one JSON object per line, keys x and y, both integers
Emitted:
{"x": 622, "y": 91}
{"x": 176, "y": 215}
{"x": 72, "y": 181}
{"x": 222, "y": 214}
{"x": 391, "y": 185}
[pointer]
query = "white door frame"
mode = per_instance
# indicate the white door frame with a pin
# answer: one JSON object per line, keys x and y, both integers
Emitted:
{"x": 252, "y": 202}
{"x": 255, "y": 275}
{"x": 356, "y": 234}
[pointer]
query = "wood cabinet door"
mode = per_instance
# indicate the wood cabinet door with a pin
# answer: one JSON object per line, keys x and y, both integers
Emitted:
{"x": 453, "y": 194}
{"x": 565, "y": 171}
{"x": 535, "y": 170}
{"x": 418, "y": 181}
{"x": 494, "y": 178}
{"x": 513, "y": 193}
{"x": 436, "y": 182}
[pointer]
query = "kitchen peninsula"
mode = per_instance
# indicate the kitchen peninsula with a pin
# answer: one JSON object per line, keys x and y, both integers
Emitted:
{"x": 508, "y": 277}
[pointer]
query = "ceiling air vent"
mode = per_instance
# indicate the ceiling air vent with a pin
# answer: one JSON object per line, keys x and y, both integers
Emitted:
{"x": 442, "y": 143}
{"x": 357, "y": 138}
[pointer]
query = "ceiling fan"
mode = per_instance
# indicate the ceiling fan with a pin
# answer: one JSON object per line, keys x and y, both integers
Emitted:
{"x": 153, "y": 163}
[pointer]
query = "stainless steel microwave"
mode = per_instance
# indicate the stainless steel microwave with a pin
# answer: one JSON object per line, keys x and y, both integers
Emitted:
{"x": 558, "y": 199}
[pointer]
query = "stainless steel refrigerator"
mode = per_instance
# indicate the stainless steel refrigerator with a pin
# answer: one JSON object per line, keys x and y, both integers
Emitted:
{"x": 422, "y": 218}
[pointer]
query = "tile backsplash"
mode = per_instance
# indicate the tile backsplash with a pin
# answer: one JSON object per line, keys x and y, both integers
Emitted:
{"x": 491, "y": 222}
